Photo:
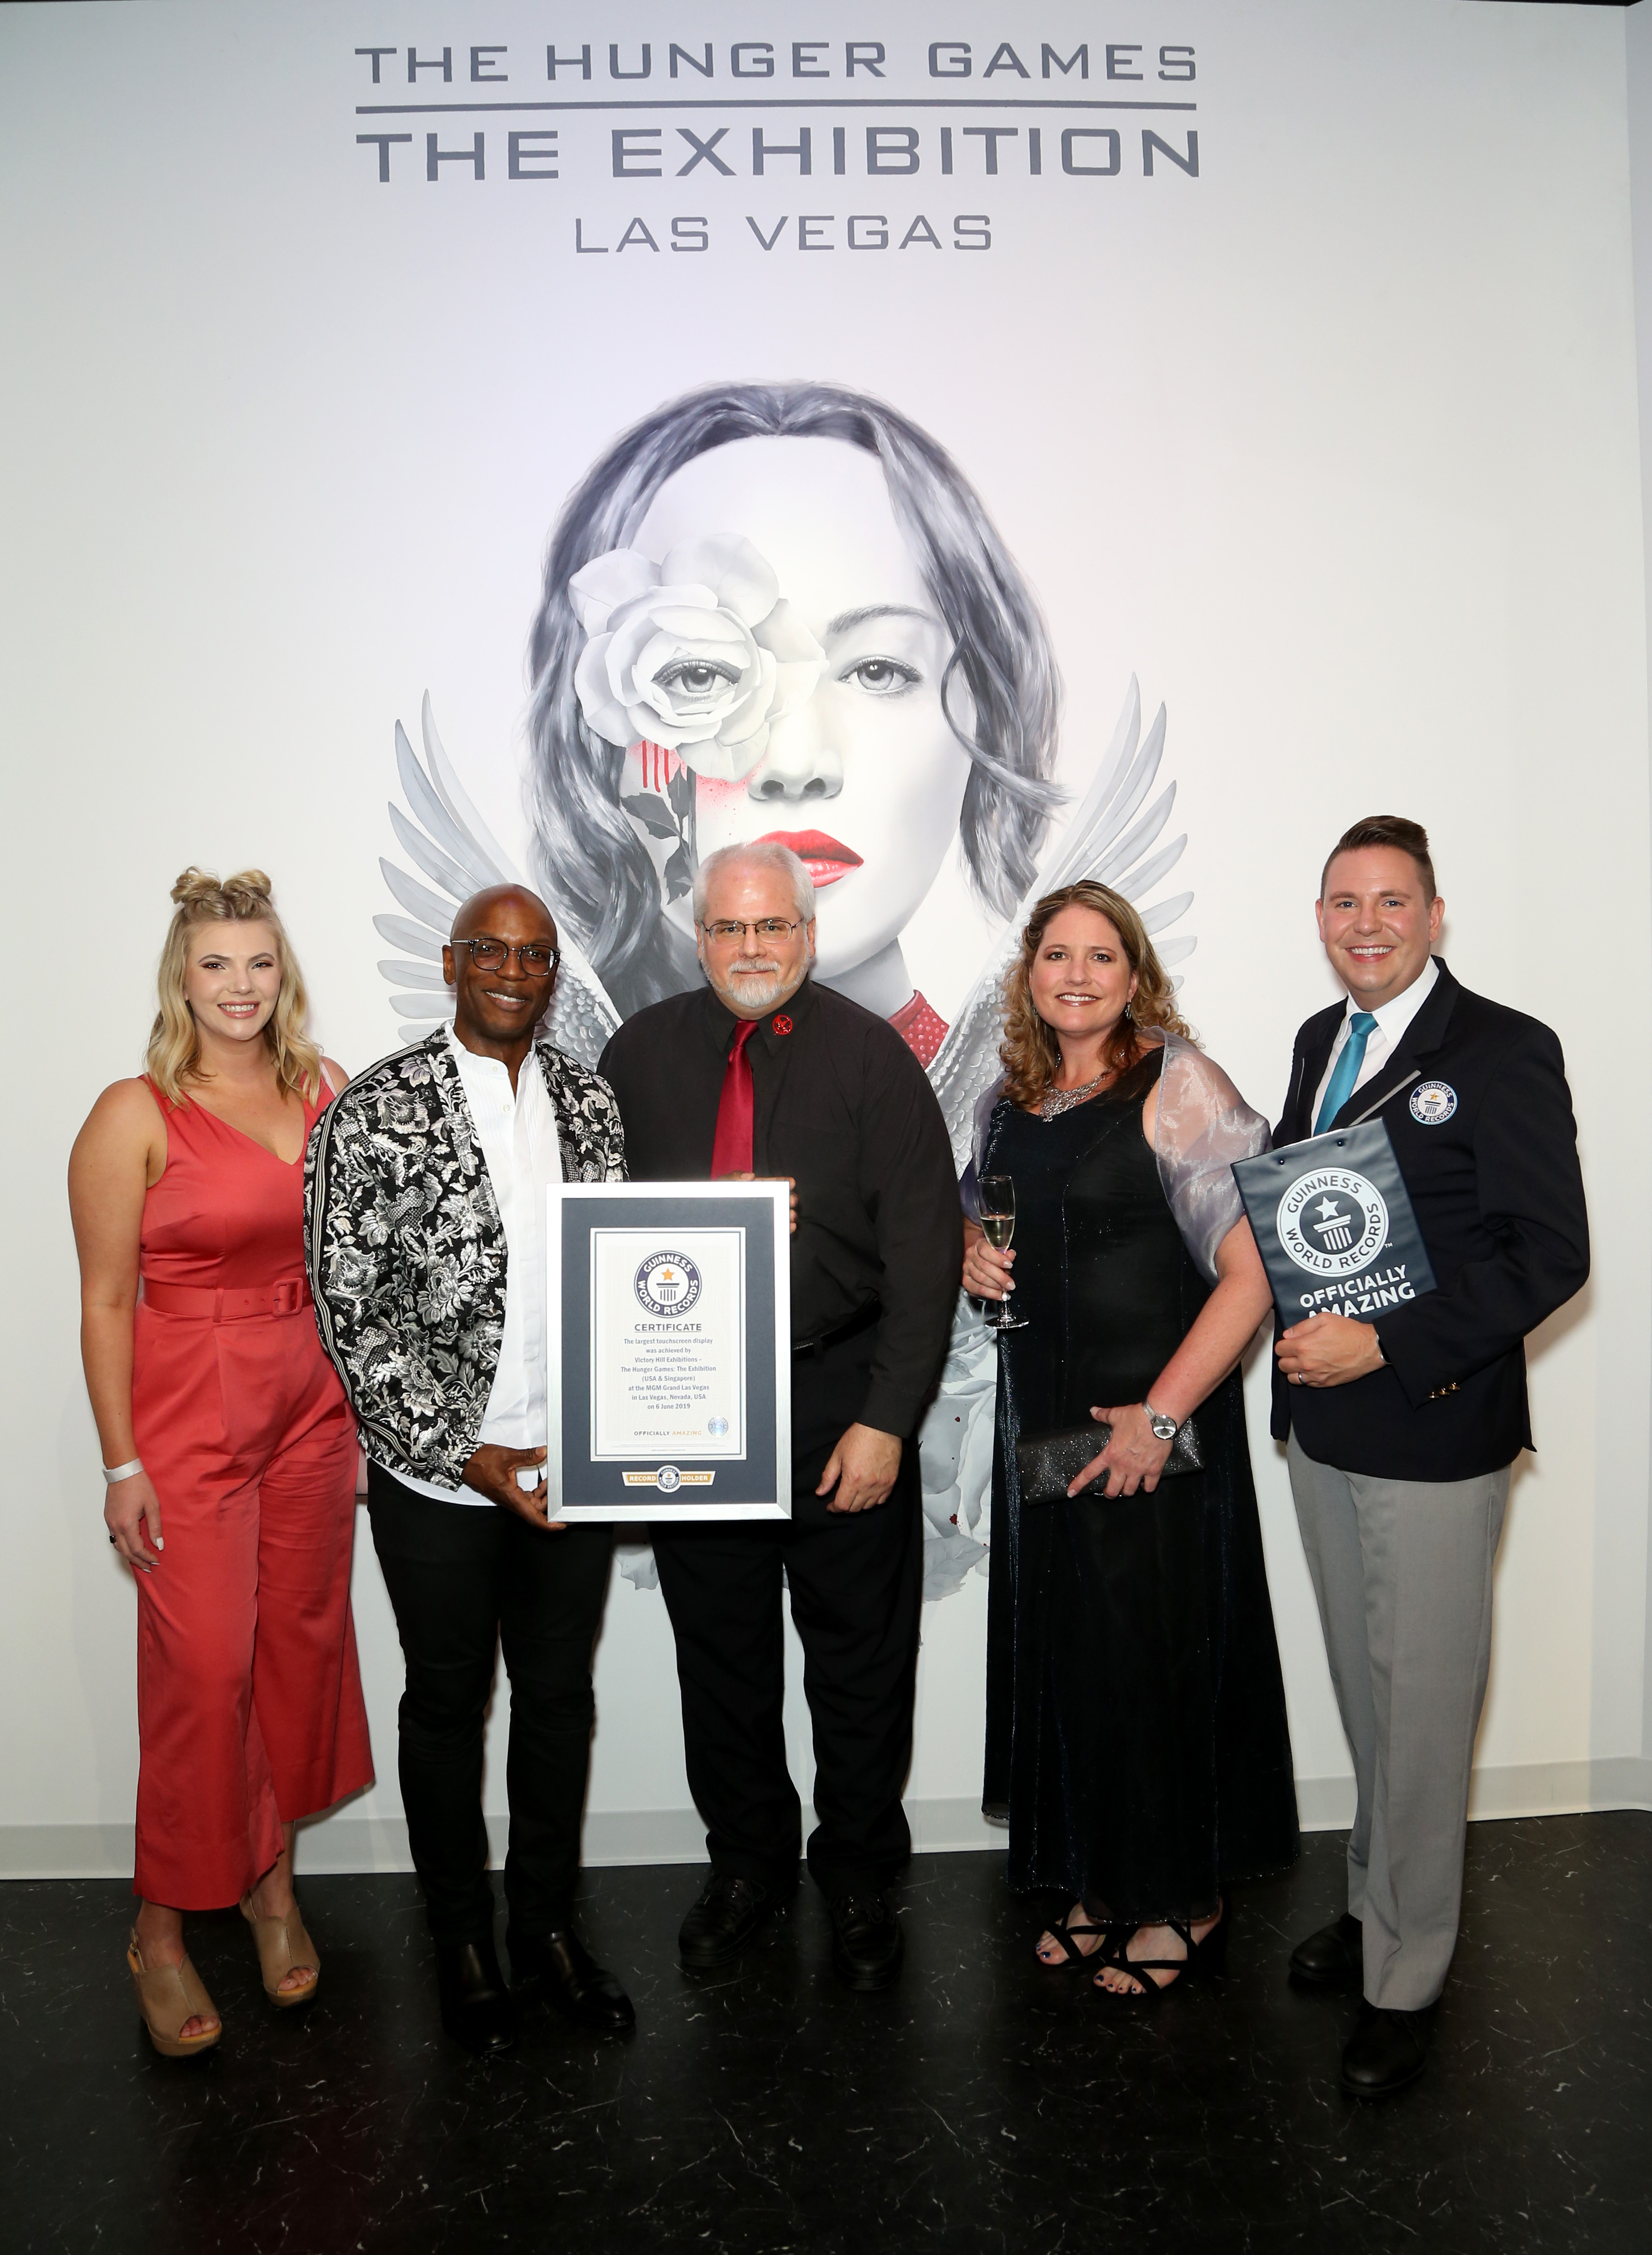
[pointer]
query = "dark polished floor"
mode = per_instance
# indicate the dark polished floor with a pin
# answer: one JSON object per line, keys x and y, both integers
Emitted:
{"x": 983, "y": 2105}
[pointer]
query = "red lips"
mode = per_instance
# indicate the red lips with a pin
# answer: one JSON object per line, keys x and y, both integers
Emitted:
{"x": 827, "y": 858}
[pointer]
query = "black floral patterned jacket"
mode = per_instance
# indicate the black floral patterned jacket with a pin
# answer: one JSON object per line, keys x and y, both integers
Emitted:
{"x": 406, "y": 1250}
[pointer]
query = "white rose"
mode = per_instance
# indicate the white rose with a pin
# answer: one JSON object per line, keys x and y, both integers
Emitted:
{"x": 698, "y": 653}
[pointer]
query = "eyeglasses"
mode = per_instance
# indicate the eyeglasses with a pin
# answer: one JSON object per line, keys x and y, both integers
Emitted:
{"x": 726, "y": 930}
{"x": 493, "y": 955}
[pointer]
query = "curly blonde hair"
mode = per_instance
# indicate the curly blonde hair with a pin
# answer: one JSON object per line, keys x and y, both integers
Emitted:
{"x": 1030, "y": 1052}
{"x": 174, "y": 1040}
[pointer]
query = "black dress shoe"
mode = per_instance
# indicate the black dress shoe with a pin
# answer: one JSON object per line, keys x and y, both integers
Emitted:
{"x": 1332, "y": 1958}
{"x": 478, "y": 2010}
{"x": 560, "y": 1966}
{"x": 1386, "y": 2051}
{"x": 866, "y": 1945}
{"x": 726, "y": 1915}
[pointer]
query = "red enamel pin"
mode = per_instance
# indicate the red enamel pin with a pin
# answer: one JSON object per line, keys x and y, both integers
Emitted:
{"x": 782, "y": 1025}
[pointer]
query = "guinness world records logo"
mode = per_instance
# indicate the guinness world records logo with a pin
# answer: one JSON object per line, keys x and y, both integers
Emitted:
{"x": 1332, "y": 1222}
{"x": 1433, "y": 1103}
{"x": 667, "y": 1284}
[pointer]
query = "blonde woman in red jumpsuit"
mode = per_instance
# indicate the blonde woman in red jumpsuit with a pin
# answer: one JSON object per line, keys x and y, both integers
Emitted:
{"x": 228, "y": 1448}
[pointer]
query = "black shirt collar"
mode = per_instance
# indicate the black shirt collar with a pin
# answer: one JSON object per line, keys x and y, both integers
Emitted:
{"x": 773, "y": 1028}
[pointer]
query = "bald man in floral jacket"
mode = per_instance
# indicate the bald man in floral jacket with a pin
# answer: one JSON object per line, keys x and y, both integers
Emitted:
{"x": 425, "y": 1200}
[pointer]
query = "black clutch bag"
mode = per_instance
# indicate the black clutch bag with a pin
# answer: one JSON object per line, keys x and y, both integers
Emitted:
{"x": 1045, "y": 1464}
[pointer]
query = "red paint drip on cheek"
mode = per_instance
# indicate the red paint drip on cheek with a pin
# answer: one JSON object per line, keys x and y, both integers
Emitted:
{"x": 657, "y": 767}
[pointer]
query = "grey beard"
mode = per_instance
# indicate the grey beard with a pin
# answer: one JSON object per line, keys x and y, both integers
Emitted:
{"x": 752, "y": 992}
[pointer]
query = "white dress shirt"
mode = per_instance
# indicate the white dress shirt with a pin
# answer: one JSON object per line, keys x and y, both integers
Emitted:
{"x": 1385, "y": 1036}
{"x": 517, "y": 1132}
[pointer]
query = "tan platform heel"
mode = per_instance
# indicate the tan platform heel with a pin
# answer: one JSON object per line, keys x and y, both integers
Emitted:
{"x": 167, "y": 1996}
{"x": 284, "y": 1947}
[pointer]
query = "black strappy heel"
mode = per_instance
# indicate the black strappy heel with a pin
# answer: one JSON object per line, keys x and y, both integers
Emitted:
{"x": 1067, "y": 1938}
{"x": 1203, "y": 1958}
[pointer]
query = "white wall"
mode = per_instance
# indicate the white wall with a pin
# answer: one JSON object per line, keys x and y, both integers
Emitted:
{"x": 1638, "y": 50}
{"x": 1337, "y": 447}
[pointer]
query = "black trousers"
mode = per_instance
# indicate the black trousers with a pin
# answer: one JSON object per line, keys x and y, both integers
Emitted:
{"x": 856, "y": 1582}
{"x": 465, "y": 1581}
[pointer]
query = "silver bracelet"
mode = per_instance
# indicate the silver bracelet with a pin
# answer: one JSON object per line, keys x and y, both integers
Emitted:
{"x": 122, "y": 1472}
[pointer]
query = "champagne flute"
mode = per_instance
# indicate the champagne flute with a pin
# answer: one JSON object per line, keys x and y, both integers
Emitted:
{"x": 995, "y": 1210}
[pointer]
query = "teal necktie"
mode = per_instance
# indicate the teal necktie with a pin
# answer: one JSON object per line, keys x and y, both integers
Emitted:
{"x": 1347, "y": 1069}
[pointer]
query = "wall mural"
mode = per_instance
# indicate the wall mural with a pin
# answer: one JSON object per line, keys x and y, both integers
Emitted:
{"x": 781, "y": 612}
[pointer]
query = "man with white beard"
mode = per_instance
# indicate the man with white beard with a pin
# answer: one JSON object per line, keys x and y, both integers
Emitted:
{"x": 762, "y": 1072}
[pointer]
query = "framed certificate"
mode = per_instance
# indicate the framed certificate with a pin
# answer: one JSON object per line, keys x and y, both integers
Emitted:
{"x": 669, "y": 1351}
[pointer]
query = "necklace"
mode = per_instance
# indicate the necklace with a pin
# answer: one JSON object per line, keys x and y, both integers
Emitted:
{"x": 1062, "y": 1100}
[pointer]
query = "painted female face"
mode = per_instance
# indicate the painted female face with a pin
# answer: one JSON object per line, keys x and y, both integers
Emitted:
{"x": 864, "y": 778}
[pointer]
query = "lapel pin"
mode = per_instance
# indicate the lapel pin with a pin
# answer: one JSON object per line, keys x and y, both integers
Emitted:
{"x": 1433, "y": 1103}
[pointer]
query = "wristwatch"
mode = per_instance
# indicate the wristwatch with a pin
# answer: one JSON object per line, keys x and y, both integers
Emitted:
{"x": 1165, "y": 1429}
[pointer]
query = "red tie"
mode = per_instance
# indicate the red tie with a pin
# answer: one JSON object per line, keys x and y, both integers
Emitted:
{"x": 731, "y": 1147}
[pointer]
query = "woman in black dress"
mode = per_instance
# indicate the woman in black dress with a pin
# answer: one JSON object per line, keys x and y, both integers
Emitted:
{"x": 1135, "y": 1724}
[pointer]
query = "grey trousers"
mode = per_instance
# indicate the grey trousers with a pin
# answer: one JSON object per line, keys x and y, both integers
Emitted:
{"x": 1403, "y": 1573}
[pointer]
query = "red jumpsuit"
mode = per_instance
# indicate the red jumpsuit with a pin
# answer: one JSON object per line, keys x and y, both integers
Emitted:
{"x": 249, "y": 1708}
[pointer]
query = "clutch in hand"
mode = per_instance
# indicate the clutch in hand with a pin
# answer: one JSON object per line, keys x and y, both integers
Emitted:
{"x": 1047, "y": 1463}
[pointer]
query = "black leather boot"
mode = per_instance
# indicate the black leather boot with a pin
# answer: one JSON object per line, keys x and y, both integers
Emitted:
{"x": 1386, "y": 2051}
{"x": 723, "y": 1920}
{"x": 558, "y": 1966}
{"x": 478, "y": 2010}
{"x": 866, "y": 1942}
{"x": 1330, "y": 1958}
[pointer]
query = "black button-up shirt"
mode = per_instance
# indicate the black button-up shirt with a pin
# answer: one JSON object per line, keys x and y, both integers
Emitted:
{"x": 844, "y": 1107}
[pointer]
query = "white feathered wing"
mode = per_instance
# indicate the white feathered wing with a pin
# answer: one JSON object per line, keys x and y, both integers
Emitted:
{"x": 445, "y": 837}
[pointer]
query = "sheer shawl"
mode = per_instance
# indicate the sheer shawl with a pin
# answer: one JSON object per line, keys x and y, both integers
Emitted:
{"x": 1203, "y": 1125}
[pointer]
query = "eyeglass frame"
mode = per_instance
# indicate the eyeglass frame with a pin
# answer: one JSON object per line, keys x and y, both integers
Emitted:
{"x": 482, "y": 940}
{"x": 754, "y": 925}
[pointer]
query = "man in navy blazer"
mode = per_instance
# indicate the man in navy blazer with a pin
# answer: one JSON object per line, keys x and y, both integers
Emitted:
{"x": 1402, "y": 1430}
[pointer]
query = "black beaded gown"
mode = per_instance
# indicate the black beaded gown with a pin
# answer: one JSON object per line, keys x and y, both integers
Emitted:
{"x": 1137, "y": 1736}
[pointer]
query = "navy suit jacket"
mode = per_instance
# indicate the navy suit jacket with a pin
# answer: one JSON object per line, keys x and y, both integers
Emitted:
{"x": 1498, "y": 1195}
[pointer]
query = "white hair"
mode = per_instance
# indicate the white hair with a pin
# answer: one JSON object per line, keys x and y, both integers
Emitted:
{"x": 765, "y": 854}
